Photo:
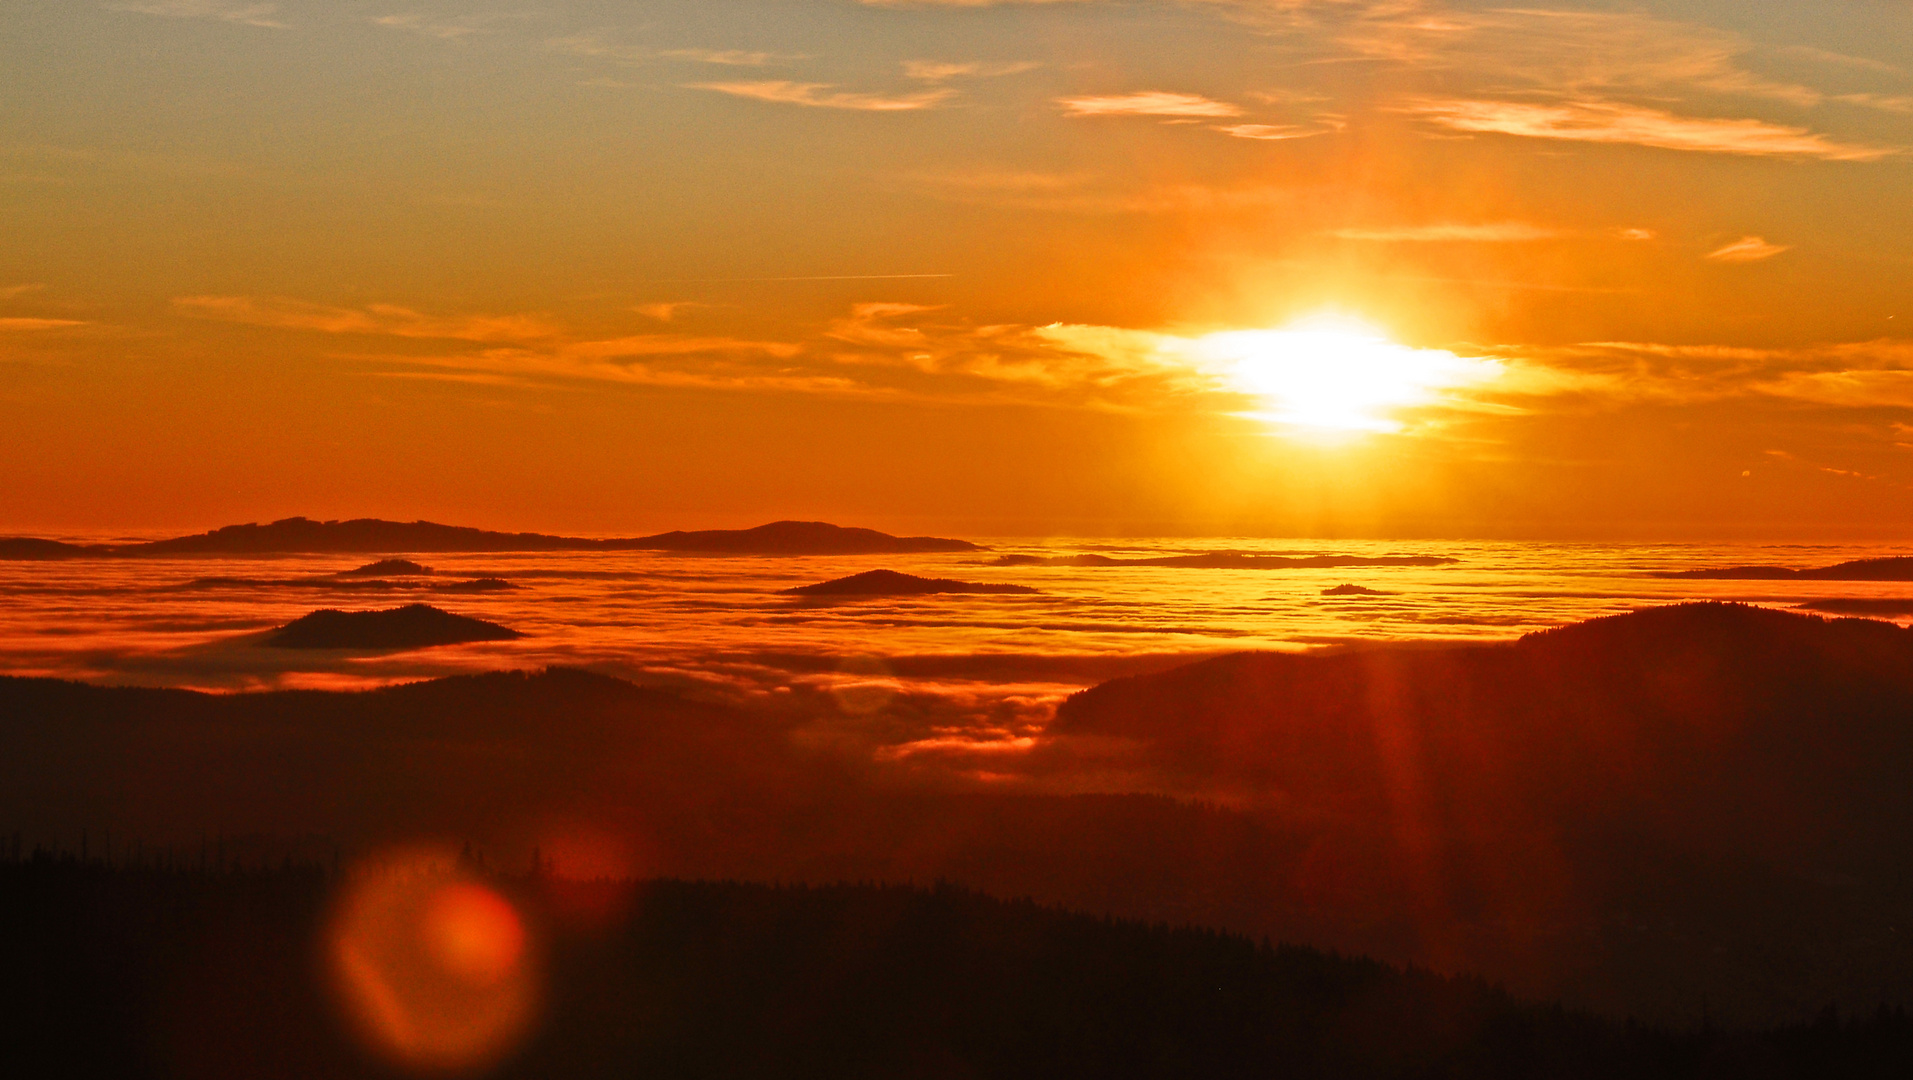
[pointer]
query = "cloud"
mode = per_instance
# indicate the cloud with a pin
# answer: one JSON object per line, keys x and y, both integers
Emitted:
{"x": 893, "y": 351}
{"x": 962, "y": 3}
{"x": 419, "y": 24}
{"x": 595, "y": 45}
{"x": 664, "y": 360}
{"x": 1268, "y": 132}
{"x": 727, "y": 57}
{"x": 1856, "y": 389}
{"x": 1500, "y": 232}
{"x": 942, "y": 70}
{"x": 1823, "y": 56}
{"x": 1857, "y": 375}
{"x": 13, "y": 291}
{"x": 38, "y": 324}
{"x": 1613, "y": 122}
{"x": 245, "y": 14}
{"x": 665, "y": 312}
{"x": 1084, "y": 193}
{"x": 1568, "y": 54}
{"x": 1899, "y": 103}
{"x": 1747, "y": 249}
{"x": 1148, "y": 103}
{"x": 826, "y": 96}
{"x": 386, "y": 320}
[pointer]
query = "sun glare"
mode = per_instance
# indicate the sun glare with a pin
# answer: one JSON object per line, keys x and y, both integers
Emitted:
{"x": 1336, "y": 376}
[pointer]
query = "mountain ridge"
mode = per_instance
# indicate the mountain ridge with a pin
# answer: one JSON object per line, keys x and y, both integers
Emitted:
{"x": 364, "y": 536}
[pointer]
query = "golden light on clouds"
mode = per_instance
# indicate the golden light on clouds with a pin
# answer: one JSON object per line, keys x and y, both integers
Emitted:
{"x": 1331, "y": 375}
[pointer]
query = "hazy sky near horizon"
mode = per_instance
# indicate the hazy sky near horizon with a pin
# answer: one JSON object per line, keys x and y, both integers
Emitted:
{"x": 960, "y": 266}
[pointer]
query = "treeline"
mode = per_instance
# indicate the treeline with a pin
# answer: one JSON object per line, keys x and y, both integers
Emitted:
{"x": 141, "y": 971}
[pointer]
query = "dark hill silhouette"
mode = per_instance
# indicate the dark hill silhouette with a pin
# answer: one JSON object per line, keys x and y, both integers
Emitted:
{"x": 413, "y": 626}
{"x": 1896, "y": 568}
{"x": 1879, "y": 608}
{"x": 1353, "y": 590}
{"x": 146, "y": 972}
{"x": 346, "y": 583}
{"x": 1709, "y": 765}
{"x": 796, "y": 538}
{"x": 892, "y": 583}
{"x": 1228, "y": 560}
{"x": 27, "y": 549}
{"x": 1698, "y": 804}
{"x": 370, "y": 535}
{"x": 475, "y": 585}
{"x": 388, "y": 568}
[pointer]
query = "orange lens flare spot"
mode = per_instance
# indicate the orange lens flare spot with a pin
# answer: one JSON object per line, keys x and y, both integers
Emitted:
{"x": 435, "y": 971}
{"x": 473, "y": 933}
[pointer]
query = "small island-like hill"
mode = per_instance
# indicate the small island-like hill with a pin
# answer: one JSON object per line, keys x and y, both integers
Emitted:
{"x": 892, "y": 583}
{"x": 414, "y": 626}
{"x": 388, "y": 568}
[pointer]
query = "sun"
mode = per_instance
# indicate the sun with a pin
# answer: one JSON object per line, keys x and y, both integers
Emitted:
{"x": 1331, "y": 375}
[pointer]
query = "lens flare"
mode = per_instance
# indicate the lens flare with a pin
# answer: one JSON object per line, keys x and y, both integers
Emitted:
{"x": 1334, "y": 375}
{"x": 435, "y": 970}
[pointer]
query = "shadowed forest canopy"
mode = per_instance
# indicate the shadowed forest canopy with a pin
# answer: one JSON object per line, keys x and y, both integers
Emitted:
{"x": 1635, "y": 813}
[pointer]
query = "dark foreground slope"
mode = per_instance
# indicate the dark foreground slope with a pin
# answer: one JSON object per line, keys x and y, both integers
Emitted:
{"x": 1692, "y": 809}
{"x": 1697, "y": 795}
{"x": 136, "y": 973}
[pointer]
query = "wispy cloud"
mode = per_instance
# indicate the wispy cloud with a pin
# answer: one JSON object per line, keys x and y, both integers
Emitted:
{"x": 1824, "y": 56}
{"x": 387, "y": 320}
{"x": 420, "y": 24}
{"x": 1747, "y": 249}
{"x": 1090, "y": 193}
{"x": 1269, "y": 132}
{"x": 38, "y": 324}
{"x": 1148, "y": 103}
{"x": 13, "y": 291}
{"x": 666, "y": 360}
{"x": 827, "y": 96}
{"x": 596, "y": 45}
{"x": 221, "y": 10}
{"x": 1568, "y": 54}
{"x": 728, "y": 57}
{"x": 1499, "y": 232}
{"x": 943, "y": 70}
{"x": 665, "y": 312}
{"x": 1858, "y": 375}
{"x": 962, "y": 3}
{"x": 1613, "y": 122}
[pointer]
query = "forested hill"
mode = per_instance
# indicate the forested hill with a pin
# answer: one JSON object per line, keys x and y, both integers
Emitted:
{"x": 131, "y": 973}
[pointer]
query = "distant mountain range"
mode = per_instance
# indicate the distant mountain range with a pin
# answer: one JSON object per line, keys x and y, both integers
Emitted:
{"x": 1895, "y": 568}
{"x": 1230, "y": 560}
{"x": 300, "y": 535}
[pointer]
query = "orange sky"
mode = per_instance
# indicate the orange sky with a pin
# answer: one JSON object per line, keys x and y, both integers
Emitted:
{"x": 613, "y": 266}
